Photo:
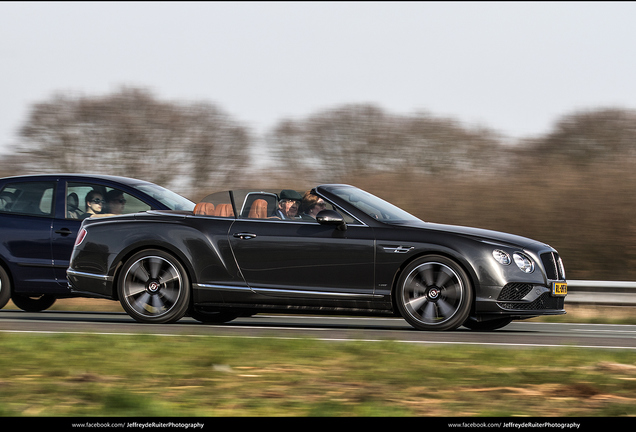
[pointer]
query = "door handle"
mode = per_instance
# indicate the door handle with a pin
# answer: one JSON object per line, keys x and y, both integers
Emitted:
{"x": 64, "y": 232}
{"x": 244, "y": 236}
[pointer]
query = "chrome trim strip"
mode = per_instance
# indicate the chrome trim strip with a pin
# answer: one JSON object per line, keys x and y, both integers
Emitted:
{"x": 283, "y": 291}
{"x": 88, "y": 275}
{"x": 222, "y": 287}
{"x": 318, "y": 293}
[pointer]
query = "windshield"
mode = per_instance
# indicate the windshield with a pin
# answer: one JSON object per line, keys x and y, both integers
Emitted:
{"x": 165, "y": 196}
{"x": 373, "y": 206}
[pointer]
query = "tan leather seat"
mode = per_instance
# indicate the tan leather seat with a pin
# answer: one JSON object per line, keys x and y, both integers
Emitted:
{"x": 258, "y": 209}
{"x": 204, "y": 208}
{"x": 224, "y": 210}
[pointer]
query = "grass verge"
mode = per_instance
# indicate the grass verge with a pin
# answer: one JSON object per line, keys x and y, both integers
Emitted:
{"x": 109, "y": 375}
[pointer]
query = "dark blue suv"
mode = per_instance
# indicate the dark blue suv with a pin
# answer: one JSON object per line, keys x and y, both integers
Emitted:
{"x": 40, "y": 216}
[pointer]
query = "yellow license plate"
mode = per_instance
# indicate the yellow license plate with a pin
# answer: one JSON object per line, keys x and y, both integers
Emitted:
{"x": 559, "y": 289}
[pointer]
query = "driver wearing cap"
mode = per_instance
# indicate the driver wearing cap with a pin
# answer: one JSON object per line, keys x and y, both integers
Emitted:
{"x": 288, "y": 204}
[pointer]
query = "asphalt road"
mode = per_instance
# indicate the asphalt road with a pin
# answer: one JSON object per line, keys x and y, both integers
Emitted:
{"x": 517, "y": 334}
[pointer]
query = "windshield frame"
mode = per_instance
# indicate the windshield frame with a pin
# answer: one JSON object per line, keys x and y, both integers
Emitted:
{"x": 374, "y": 207}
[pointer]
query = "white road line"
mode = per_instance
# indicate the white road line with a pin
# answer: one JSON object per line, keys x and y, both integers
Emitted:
{"x": 497, "y": 344}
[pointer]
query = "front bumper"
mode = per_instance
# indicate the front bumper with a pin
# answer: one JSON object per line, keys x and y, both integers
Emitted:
{"x": 519, "y": 299}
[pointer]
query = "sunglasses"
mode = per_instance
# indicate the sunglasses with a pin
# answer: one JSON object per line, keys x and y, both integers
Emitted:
{"x": 98, "y": 201}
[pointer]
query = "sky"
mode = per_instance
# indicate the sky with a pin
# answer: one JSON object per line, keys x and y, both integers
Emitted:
{"x": 512, "y": 67}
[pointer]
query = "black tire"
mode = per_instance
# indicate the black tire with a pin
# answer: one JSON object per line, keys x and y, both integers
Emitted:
{"x": 33, "y": 304}
{"x": 487, "y": 325}
{"x": 154, "y": 287}
{"x": 215, "y": 317}
{"x": 5, "y": 288}
{"x": 434, "y": 293}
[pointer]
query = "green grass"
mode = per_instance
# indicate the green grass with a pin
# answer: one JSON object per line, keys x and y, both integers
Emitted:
{"x": 109, "y": 375}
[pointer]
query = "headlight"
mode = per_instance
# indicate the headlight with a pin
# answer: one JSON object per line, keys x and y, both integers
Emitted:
{"x": 523, "y": 262}
{"x": 501, "y": 257}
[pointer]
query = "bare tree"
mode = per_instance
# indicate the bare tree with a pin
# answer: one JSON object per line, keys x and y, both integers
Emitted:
{"x": 338, "y": 140}
{"x": 358, "y": 139}
{"x": 131, "y": 133}
{"x": 588, "y": 136}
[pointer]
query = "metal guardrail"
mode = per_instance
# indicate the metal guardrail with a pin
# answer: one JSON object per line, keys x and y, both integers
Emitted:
{"x": 601, "y": 293}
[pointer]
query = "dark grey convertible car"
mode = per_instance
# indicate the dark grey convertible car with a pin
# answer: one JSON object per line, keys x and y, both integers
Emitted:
{"x": 335, "y": 249}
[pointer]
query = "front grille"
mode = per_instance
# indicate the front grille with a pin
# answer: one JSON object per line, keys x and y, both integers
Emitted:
{"x": 545, "y": 301}
{"x": 550, "y": 262}
{"x": 514, "y": 291}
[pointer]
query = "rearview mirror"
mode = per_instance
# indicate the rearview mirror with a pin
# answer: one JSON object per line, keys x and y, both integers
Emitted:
{"x": 331, "y": 217}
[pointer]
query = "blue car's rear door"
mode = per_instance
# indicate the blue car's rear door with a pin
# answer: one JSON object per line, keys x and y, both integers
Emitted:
{"x": 25, "y": 234}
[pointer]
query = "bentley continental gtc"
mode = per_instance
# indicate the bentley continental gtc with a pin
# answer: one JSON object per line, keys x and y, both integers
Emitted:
{"x": 332, "y": 249}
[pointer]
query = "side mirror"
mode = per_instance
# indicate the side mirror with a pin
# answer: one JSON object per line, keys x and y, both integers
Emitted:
{"x": 331, "y": 217}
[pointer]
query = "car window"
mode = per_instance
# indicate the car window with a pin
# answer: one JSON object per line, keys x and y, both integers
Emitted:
{"x": 218, "y": 204}
{"x": 165, "y": 196}
{"x": 262, "y": 204}
{"x": 29, "y": 198}
{"x": 114, "y": 201}
{"x": 283, "y": 205}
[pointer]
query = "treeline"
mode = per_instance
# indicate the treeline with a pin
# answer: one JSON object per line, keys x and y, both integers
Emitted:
{"x": 572, "y": 188}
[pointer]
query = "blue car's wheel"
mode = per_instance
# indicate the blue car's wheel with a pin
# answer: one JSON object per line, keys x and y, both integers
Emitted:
{"x": 434, "y": 293}
{"x": 153, "y": 287}
{"x": 5, "y": 288}
{"x": 35, "y": 303}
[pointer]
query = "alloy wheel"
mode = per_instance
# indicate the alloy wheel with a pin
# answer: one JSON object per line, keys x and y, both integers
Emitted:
{"x": 154, "y": 288}
{"x": 434, "y": 293}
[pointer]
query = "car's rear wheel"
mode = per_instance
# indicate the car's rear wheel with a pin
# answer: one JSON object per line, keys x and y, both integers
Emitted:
{"x": 434, "y": 293}
{"x": 5, "y": 288}
{"x": 33, "y": 303}
{"x": 154, "y": 287}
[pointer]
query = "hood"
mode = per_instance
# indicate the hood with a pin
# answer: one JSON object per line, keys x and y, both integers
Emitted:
{"x": 481, "y": 234}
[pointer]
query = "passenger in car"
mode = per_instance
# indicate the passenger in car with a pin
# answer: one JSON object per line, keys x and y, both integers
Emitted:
{"x": 115, "y": 202}
{"x": 288, "y": 204}
{"x": 311, "y": 205}
{"x": 94, "y": 204}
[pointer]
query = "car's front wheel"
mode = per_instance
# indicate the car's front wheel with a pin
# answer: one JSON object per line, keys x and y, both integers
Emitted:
{"x": 153, "y": 287}
{"x": 434, "y": 293}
